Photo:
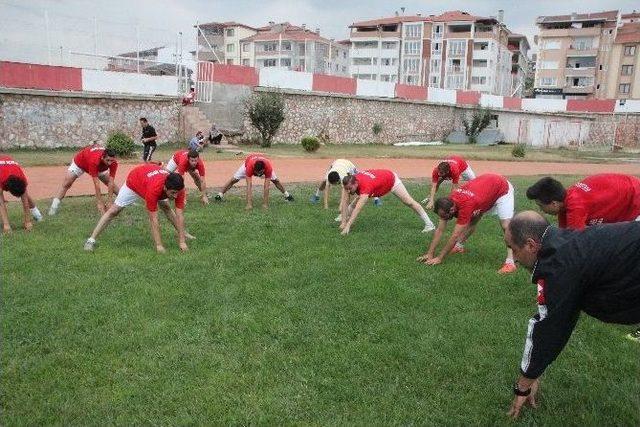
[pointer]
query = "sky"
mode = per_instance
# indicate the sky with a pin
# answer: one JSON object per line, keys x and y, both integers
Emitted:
{"x": 109, "y": 27}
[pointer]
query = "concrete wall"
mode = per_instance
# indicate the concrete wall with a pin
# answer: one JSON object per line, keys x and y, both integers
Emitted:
{"x": 227, "y": 107}
{"x": 33, "y": 118}
{"x": 131, "y": 83}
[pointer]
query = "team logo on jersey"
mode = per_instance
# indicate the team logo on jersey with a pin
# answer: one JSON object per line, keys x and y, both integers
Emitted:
{"x": 596, "y": 221}
{"x": 157, "y": 172}
{"x": 540, "y": 298}
{"x": 584, "y": 187}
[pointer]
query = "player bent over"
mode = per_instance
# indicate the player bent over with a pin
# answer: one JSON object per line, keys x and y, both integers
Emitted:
{"x": 451, "y": 168}
{"x": 13, "y": 180}
{"x": 190, "y": 161}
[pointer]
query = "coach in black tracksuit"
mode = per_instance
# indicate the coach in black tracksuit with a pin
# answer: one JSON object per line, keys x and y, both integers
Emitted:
{"x": 148, "y": 139}
{"x": 596, "y": 271}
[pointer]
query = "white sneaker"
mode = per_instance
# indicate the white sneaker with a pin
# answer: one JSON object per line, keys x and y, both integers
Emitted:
{"x": 55, "y": 205}
{"x": 189, "y": 236}
{"x": 428, "y": 228}
{"x": 89, "y": 245}
{"x": 35, "y": 213}
{"x": 338, "y": 218}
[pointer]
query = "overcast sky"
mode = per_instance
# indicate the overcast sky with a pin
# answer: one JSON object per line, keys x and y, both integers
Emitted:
{"x": 72, "y": 26}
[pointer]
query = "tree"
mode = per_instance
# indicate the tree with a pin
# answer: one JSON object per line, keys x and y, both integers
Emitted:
{"x": 266, "y": 113}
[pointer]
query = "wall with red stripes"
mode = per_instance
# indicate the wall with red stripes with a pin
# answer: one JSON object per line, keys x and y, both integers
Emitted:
{"x": 33, "y": 76}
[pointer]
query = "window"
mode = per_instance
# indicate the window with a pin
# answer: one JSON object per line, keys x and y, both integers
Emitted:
{"x": 411, "y": 65}
{"x": 434, "y": 81}
{"x": 627, "y": 70}
{"x": 412, "y": 31}
{"x": 600, "y": 67}
{"x": 629, "y": 50}
{"x": 286, "y": 45}
{"x": 302, "y": 49}
{"x": 361, "y": 61}
{"x": 436, "y": 47}
{"x": 365, "y": 45}
{"x": 582, "y": 43}
{"x": 598, "y": 87}
{"x": 230, "y": 32}
{"x": 385, "y": 61}
{"x": 269, "y": 63}
{"x": 548, "y": 65}
{"x": 385, "y": 78}
{"x": 480, "y": 63}
{"x": 478, "y": 80}
{"x": 550, "y": 44}
{"x": 437, "y": 31}
{"x": 580, "y": 81}
{"x": 481, "y": 46}
{"x": 246, "y": 62}
{"x": 455, "y": 66}
{"x": 230, "y": 61}
{"x": 245, "y": 47}
{"x": 457, "y": 47}
{"x": 374, "y": 61}
{"x": 285, "y": 62}
{"x": 270, "y": 47}
{"x": 624, "y": 88}
{"x": 231, "y": 48}
{"x": 435, "y": 65}
{"x": 548, "y": 81}
{"x": 412, "y": 48}
{"x": 389, "y": 45}
{"x": 344, "y": 69}
{"x": 302, "y": 64}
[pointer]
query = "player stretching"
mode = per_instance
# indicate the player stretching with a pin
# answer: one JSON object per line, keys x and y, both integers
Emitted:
{"x": 190, "y": 161}
{"x": 451, "y": 168}
{"x": 13, "y": 180}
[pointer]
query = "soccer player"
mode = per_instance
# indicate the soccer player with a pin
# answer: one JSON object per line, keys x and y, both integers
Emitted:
{"x": 13, "y": 180}
{"x": 148, "y": 139}
{"x": 375, "y": 183}
{"x": 156, "y": 186}
{"x": 100, "y": 163}
{"x": 489, "y": 192}
{"x": 605, "y": 198}
{"x": 451, "y": 168}
{"x": 260, "y": 166}
{"x": 596, "y": 271}
{"x": 190, "y": 161}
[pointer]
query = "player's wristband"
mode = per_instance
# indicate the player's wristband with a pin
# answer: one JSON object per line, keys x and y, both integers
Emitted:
{"x": 521, "y": 393}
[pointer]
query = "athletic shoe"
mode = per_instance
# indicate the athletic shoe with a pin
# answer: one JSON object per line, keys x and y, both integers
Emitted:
{"x": 54, "y": 207}
{"x": 218, "y": 198}
{"x": 457, "y": 250}
{"x": 289, "y": 198}
{"x": 314, "y": 199}
{"x": 428, "y": 228}
{"x": 36, "y": 215}
{"x": 189, "y": 236}
{"x": 338, "y": 218}
{"x": 89, "y": 245}
{"x": 634, "y": 336}
{"x": 507, "y": 268}
{"x": 377, "y": 201}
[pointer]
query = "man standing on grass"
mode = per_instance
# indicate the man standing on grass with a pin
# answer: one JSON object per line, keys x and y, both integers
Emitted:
{"x": 375, "y": 183}
{"x": 13, "y": 180}
{"x": 148, "y": 139}
{"x": 190, "y": 161}
{"x": 597, "y": 199}
{"x": 489, "y": 192}
{"x": 596, "y": 271}
{"x": 156, "y": 186}
{"x": 260, "y": 166}
{"x": 100, "y": 163}
{"x": 451, "y": 168}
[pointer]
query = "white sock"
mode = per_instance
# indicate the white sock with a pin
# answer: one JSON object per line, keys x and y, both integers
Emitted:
{"x": 509, "y": 261}
{"x": 425, "y": 218}
{"x": 55, "y": 203}
{"x": 36, "y": 213}
{"x": 317, "y": 193}
{"x": 220, "y": 194}
{"x": 286, "y": 194}
{"x": 91, "y": 240}
{"x": 459, "y": 245}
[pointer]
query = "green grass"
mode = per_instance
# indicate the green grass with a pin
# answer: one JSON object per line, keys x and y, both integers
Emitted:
{"x": 274, "y": 318}
{"x": 63, "y": 156}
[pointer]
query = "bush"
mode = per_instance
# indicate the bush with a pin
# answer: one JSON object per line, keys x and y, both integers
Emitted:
{"x": 121, "y": 143}
{"x": 519, "y": 150}
{"x": 310, "y": 143}
{"x": 480, "y": 119}
{"x": 376, "y": 129}
{"x": 266, "y": 113}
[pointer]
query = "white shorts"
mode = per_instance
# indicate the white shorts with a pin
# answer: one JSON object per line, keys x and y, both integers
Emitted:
{"x": 77, "y": 171}
{"x": 241, "y": 173}
{"x": 397, "y": 184}
{"x": 171, "y": 165}
{"x": 127, "y": 197}
{"x": 468, "y": 174}
{"x": 504, "y": 206}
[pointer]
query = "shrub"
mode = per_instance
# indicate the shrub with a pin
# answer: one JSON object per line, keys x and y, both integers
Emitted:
{"x": 121, "y": 143}
{"x": 376, "y": 129}
{"x": 480, "y": 119}
{"x": 310, "y": 143}
{"x": 266, "y": 113}
{"x": 519, "y": 150}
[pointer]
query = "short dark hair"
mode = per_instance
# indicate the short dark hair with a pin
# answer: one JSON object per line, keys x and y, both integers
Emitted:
{"x": 109, "y": 152}
{"x": 349, "y": 179}
{"x": 193, "y": 154}
{"x": 444, "y": 168}
{"x": 527, "y": 225}
{"x": 258, "y": 166}
{"x": 15, "y": 185}
{"x": 443, "y": 203}
{"x": 547, "y": 190}
{"x": 144, "y": 119}
{"x": 174, "y": 181}
{"x": 333, "y": 177}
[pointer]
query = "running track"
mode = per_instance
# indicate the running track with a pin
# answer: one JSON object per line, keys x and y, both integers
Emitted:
{"x": 44, "y": 181}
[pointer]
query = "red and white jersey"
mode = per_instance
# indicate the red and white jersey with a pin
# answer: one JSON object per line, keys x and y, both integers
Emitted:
{"x": 478, "y": 196}
{"x": 147, "y": 181}
{"x": 375, "y": 182}
{"x": 181, "y": 158}
{"x": 9, "y": 167}
{"x": 598, "y": 199}
{"x": 457, "y": 164}
{"x": 250, "y": 163}
{"x": 89, "y": 159}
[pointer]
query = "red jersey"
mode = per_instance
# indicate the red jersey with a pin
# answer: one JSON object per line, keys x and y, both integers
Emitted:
{"x": 181, "y": 158}
{"x": 9, "y": 167}
{"x": 147, "y": 181}
{"x": 457, "y": 164}
{"x": 597, "y": 199}
{"x": 251, "y": 160}
{"x": 375, "y": 182}
{"x": 89, "y": 159}
{"x": 478, "y": 196}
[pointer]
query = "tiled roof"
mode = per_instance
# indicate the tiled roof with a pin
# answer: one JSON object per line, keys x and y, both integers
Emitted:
{"x": 610, "y": 15}
{"x": 629, "y": 33}
{"x": 389, "y": 21}
{"x": 457, "y": 16}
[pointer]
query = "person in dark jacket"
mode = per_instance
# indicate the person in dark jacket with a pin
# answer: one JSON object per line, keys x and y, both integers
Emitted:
{"x": 596, "y": 271}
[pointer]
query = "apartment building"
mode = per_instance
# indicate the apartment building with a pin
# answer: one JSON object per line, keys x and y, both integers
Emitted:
{"x": 573, "y": 54}
{"x": 274, "y": 45}
{"x": 454, "y": 50}
{"x": 519, "y": 47}
{"x": 623, "y": 71}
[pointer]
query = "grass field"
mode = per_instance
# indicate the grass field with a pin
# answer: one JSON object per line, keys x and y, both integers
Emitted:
{"x": 62, "y": 156}
{"x": 274, "y": 318}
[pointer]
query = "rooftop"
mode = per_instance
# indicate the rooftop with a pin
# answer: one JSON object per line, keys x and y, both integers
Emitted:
{"x": 611, "y": 15}
{"x": 628, "y": 33}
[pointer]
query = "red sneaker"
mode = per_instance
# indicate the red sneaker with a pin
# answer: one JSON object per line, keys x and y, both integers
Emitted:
{"x": 457, "y": 250}
{"x": 507, "y": 268}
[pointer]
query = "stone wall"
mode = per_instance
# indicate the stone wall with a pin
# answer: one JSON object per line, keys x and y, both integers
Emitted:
{"x": 33, "y": 118}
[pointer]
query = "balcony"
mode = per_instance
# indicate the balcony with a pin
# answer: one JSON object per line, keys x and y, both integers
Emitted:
{"x": 483, "y": 35}
{"x": 456, "y": 35}
{"x": 570, "y": 32}
{"x": 376, "y": 34}
{"x": 570, "y": 89}
{"x": 368, "y": 52}
{"x": 455, "y": 70}
{"x": 580, "y": 72}
{"x": 274, "y": 52}
{"x": 582, "y": 52}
